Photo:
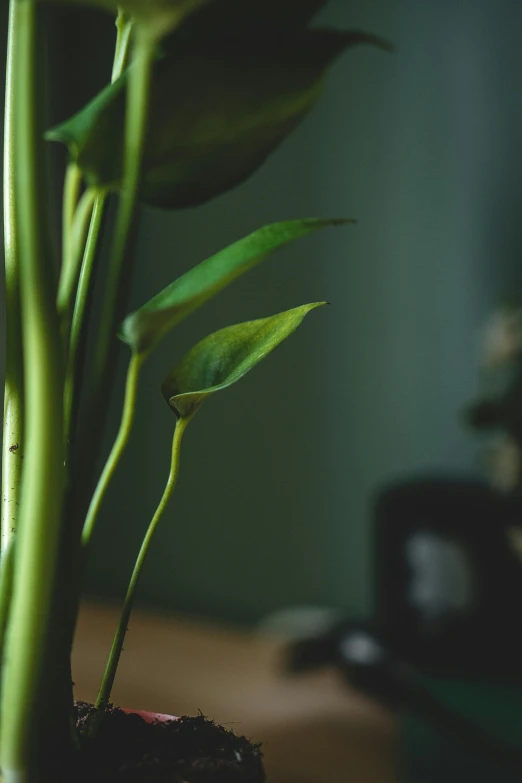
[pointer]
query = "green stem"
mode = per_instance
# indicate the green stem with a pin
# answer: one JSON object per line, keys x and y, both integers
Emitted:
{"x": 71, "y": 191}
{"x": 73, "y": 256}
{"x": 135, "y": 129}
{"x": 124, "y": 26}
{"x": 6, "y": 590}
{"x": 29, "y": 692}
{"x": 76, "y": 368}
{"x": 122, "y": 438}
{"x": 76, "y": 353}
{"x": 77, "y": 343}
{"x": 117, "y": 645}
{"x": 12, "y": 448}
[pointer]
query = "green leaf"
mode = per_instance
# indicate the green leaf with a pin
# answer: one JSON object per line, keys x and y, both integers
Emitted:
{"x": 219, "y": 106}
{"x": 156, "y": 17}
{"x": 144, "y": 328}
{"x": 223, "y": 357}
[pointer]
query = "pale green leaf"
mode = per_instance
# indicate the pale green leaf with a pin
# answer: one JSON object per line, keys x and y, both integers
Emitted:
{"x": 143, "y": 329}
{"x": 224, "y": 357}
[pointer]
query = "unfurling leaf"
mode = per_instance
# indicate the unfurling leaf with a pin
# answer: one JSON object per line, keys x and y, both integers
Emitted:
{"x": 220, "y": 104}
{"x": 143, "y": 329}
{"x": 223, "y": 357}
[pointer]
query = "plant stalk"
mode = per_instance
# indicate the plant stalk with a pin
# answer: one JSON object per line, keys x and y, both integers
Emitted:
{"x": 78, "y": 337}
{"x": 75, "y": 370}
{"x": 6, "y": 586}
{"x": 104, "y": 358}
{"x": 124, "y": 27}
{"x": 13, "y": 425}
{"x": 135, "y": 128}
{"x": 72, "y": 259}
{"x": 76, "y": 353}
{"x": 29, "y": 691}
{"x": 122, "y": 439}
{"x": 117, "y": 645}
{"x": 71, "y": 191}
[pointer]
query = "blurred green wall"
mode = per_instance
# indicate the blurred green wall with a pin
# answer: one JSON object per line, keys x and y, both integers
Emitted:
{"x": 278, "y": 474}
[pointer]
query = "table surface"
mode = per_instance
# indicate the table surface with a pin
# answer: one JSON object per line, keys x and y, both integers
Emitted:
{"x": 313, "y": 729}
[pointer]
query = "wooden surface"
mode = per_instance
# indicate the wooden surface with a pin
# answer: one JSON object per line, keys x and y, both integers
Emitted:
{"x": 313, "y": 729}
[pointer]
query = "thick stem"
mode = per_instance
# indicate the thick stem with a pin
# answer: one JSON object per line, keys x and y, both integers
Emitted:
{"x": 12, "y": 448}
{"x": 117, "y": 645}
{"x": 122, "y": 438}
{"x": 6, "y": 587}
{"x": 28, "y": 690}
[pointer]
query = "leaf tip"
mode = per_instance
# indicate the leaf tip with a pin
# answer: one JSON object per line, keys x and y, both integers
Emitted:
{"x": 314, "y": 306}
{"x": 343, "y": 222}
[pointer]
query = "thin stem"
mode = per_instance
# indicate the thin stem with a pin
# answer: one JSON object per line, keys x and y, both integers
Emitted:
{"x": 12, "y": 448}
{"x": 71, "y": 192}
{"x": 117, "y": 645}
{"x": 124, "y": 26}
{"x": 122, "y": 438}
{"x": 76, "y": 354}
{"x": 74, "y": 252}
{"x": 77, "y": 342}
{"x": 30, "y": 648}
{"x": 135, "y": 129}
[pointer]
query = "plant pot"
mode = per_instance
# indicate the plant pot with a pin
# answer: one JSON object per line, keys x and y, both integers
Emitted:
{"x": 135, "y": 746}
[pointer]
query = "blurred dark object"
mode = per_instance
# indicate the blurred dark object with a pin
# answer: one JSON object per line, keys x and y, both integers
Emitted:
{"x": 370, "y": 667}
{"x": 448, "y": 574}
{"x": 448, "y": 571}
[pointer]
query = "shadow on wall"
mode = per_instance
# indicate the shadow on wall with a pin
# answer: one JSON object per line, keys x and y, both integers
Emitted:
{"x": 272, "y": 506}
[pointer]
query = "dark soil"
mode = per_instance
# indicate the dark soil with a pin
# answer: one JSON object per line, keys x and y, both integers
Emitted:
{"x": 127, "y": 749}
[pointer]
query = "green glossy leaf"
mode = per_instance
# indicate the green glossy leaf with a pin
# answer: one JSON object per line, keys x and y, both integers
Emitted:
{"x": 223, "y": 357}
{"x": 219, "y": 106}
{"x": 143, "y": 329}
{"x": 157, "y": 17}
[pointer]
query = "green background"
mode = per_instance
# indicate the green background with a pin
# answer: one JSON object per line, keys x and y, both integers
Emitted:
{"x": 278, "y": 474}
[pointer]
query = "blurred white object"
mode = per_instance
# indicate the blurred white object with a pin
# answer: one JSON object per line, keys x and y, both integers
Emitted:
{"x": 442, "y": 578}
{"x": 502, "y": 340}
